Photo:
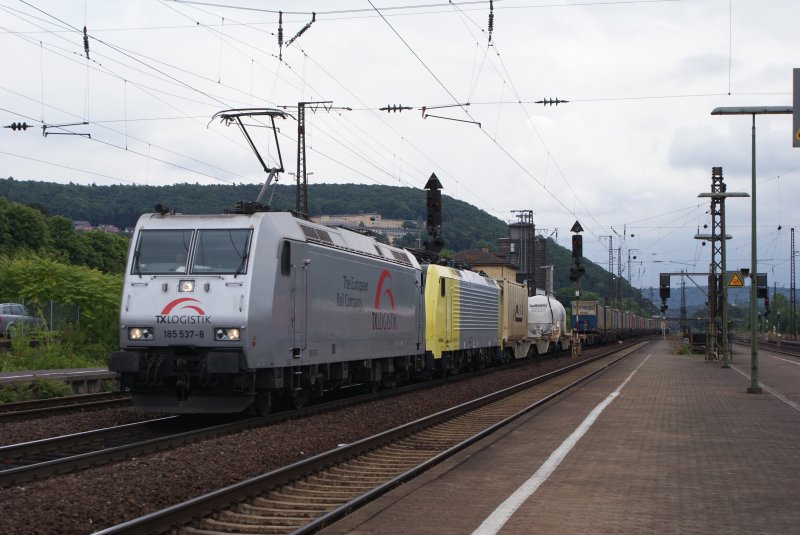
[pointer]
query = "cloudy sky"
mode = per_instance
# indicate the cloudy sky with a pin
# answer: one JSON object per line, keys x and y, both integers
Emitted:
{"x": 626, "y": 156}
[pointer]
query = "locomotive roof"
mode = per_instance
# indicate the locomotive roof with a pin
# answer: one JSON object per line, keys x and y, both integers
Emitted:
{"x": 291, "y": 226}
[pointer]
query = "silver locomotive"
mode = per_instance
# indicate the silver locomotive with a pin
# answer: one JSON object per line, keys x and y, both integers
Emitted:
{"x": 224, "y": 312}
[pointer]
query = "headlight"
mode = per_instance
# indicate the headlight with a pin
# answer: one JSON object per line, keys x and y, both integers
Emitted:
{"x": 226, "y": 334}
{"x": 186, "y": 286}
{"x": 140, "y": 333}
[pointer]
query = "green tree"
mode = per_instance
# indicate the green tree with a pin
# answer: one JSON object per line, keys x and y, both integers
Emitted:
{"x": 27, "y": 227}
{"x": 104, "y": 251}
{"x": 5, "y": 232}
{"x": 65, "y": 242}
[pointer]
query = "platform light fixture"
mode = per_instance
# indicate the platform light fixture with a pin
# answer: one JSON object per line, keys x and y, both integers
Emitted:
{"x": 753, "y": 111}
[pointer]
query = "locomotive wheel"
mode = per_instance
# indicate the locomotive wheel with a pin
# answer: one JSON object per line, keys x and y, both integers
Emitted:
{"x": 299, "y": 399}
{"x": 262, "y": 405}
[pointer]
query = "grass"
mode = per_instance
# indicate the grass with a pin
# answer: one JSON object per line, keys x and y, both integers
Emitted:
{"x": 50, "y": 350}
{"x": 36, "y": 389}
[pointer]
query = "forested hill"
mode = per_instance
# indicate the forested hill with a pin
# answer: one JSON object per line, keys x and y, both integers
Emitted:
{"x": 464, "y": 225}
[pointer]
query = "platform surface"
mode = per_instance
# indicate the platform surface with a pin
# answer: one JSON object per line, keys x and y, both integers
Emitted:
{"x": 679, "y": 446}
{"x": 11, "y": 377}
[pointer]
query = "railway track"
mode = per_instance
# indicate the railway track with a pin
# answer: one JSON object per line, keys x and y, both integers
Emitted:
{"x": 41, "y": 408}
{"x": 792, "y": 350}
{"x": 308, "y": 495}
{"x": 48, "y": 457}
{"x": 43, "y": 458}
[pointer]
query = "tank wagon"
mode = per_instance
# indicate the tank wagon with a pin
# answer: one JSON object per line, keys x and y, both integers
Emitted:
{"x": 547, "y": 329}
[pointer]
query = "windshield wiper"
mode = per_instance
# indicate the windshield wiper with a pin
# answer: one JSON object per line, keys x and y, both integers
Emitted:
{"x": 240, "y": 269}
{"x": 137, "y": 269}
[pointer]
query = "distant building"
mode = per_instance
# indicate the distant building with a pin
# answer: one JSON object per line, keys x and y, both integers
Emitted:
{"x": 111, "y": 229}
{"x": 391, "y": 228}
{"x": 81, "y": 225}
{"x": 529, "y": 251}
{"x": 495, "y": 266}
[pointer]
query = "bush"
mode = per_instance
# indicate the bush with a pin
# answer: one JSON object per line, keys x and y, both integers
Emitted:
{"x": 68, "y": 350}
{"x": 36, "y": 389}
{"x": 35, "y": 281}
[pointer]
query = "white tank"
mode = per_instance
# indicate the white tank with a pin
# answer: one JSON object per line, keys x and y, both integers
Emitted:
{"x": 546, "y": 316}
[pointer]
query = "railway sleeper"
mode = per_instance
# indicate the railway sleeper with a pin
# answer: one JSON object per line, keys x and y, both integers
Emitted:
{"x": 217, "y": 526}
{"x": 323, "y": 491}
{"x": 338, "y": 481}
{"x": 268, "y": 512}
{"x": 280, "y": 496}
{"x": 267, "y": 503}
{"x": 250, "y": 519}
{"x": 338, "y": 486}
{"x": 390, "y": 462}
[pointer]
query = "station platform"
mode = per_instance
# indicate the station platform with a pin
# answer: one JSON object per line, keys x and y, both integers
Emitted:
{"x": 82, "y": 380}
{"x": 659, "y": 443}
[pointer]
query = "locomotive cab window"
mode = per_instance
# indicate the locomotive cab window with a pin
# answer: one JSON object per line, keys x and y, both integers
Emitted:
{"x": 162, "y": 251}
{"x": 221, "y": 251}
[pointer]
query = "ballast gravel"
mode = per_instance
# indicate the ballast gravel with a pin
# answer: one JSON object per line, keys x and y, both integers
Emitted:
{"x": 91, "y": 500}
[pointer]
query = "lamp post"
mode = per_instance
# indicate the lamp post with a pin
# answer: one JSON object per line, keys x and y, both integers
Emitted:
{"x": 753, "y": 111}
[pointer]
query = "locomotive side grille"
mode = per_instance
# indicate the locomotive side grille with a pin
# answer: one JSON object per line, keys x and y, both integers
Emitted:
{"x": 400, "y": 257}
{"x": 316, "y": 235}
{"x": 324, "y": 236}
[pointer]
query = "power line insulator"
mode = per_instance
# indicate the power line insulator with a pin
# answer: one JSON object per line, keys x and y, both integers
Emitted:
{"x": 86, "y": 42}
{"x": 17, "y": 126}
{"x": 280, "y": 35}
{"x": 394, "y": 108}
{"x": 491, "y": 19}
{"x": 551, "y": 101}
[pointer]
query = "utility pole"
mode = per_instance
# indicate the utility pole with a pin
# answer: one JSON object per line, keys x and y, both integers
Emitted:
{"x": 683, "y": 306}
{"x": 619, "y": 277}
{"x": 717, "y": 278}
{"x": 630, "y": 273}
{"x": 610, "y": 268}
{"x": 792, "y": 292}
{"x": 301, "y": 193}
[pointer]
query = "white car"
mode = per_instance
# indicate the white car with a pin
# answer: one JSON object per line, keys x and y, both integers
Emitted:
{"x": 15, "y": 318}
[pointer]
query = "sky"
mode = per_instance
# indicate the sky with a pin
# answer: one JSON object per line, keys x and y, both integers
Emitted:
{"x": 626, "y": 156}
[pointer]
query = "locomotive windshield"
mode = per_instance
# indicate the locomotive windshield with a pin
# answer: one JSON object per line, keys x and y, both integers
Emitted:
{"x": 221, "y": 251}
{"x": 162, "y": 251}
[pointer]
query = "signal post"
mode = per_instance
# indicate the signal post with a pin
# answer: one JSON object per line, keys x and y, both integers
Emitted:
{"x": 575, "y": 273}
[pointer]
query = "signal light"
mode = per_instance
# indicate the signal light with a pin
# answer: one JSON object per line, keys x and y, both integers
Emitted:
{"x": 663, "y": 291}
{"x": 762, "y": 287}
{"x": 577, "y": 246}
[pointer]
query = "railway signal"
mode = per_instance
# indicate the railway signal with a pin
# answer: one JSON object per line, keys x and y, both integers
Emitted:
{"x": 575, "y": 273}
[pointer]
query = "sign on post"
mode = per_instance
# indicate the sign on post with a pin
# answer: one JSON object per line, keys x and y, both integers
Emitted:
{"x": 735, "y": 280}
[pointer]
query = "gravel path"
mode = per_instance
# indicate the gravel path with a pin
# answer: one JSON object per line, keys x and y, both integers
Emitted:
{"x": 94, "y": 499}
